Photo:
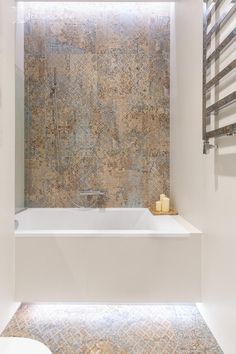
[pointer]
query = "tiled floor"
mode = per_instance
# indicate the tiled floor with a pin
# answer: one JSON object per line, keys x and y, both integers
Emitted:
{"x": 77, "y": 329}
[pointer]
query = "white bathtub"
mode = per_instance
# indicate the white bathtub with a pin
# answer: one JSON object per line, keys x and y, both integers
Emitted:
{"x": 136, "y": 222}
{"x": 106, "y": 255}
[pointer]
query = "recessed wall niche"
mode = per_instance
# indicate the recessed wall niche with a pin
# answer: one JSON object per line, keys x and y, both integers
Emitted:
{"x": 96, "y": 103}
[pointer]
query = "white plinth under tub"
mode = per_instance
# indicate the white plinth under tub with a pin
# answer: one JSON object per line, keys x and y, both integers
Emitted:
{"x": 106, "y": 255}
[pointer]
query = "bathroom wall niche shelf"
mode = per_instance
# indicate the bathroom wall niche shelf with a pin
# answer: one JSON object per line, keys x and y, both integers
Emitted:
{"x": 156, "y": 213}
{"x": 217, "y": 16}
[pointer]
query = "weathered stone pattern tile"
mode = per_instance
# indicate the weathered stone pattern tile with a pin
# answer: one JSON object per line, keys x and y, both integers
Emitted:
{"x": 123, "y": 329}
{"x": 96, "y": 104}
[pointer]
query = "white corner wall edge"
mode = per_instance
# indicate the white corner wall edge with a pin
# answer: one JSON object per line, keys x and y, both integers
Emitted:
{"x": 201, "y": 184}
{"x": 19, "y": 103}
{"x": 7, "y": 121}
{"x": 5, "y": 318}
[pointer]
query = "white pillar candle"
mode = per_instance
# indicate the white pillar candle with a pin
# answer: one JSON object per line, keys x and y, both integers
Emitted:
{"x": 165, "y": 204}
{"x": 158, "y": 206}
{"x": 161, "y": 197}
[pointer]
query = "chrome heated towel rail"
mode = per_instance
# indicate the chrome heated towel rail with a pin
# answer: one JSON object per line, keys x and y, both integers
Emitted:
{"x": 219, "y": 15}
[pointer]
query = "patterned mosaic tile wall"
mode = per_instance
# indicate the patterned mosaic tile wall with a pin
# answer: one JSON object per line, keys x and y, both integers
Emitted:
{"x": 96, "y": 103}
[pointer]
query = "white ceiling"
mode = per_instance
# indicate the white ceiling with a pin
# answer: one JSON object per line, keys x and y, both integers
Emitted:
{"x": 97, "y": 1}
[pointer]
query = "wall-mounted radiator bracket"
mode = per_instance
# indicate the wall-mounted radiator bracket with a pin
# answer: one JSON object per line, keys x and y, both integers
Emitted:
{"x": 207, "y": 147}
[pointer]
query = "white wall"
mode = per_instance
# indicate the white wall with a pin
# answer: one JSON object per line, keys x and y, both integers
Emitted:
{"x": 20, "y": 93}
{"x": 204, "y": 187}
{"x": 7, "y": 117}
{"x": 186, "y": 178}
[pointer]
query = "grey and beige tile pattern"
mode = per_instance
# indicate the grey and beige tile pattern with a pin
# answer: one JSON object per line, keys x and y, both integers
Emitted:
{"x": 96, "y": 103}
{"x": 123, "y": 329}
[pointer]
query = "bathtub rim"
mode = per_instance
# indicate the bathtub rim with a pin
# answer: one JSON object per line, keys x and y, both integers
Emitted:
{"x": 189, "y": 230}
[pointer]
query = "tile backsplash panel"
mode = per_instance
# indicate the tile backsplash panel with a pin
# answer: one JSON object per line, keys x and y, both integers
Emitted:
{"x": 96, "y": 103}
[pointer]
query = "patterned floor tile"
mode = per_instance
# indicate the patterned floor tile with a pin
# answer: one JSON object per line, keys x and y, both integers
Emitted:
{"x": 116, "y": 329}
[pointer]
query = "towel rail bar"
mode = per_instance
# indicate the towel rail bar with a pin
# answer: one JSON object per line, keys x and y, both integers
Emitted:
{"x": 213, "y": 7}
{"x": 221, "y": 103}
{"x": 226, "y": 130}
{"x": 222, "y": 20}
{"x": 221, "y": 74}
{"x": 221, "y": 46}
